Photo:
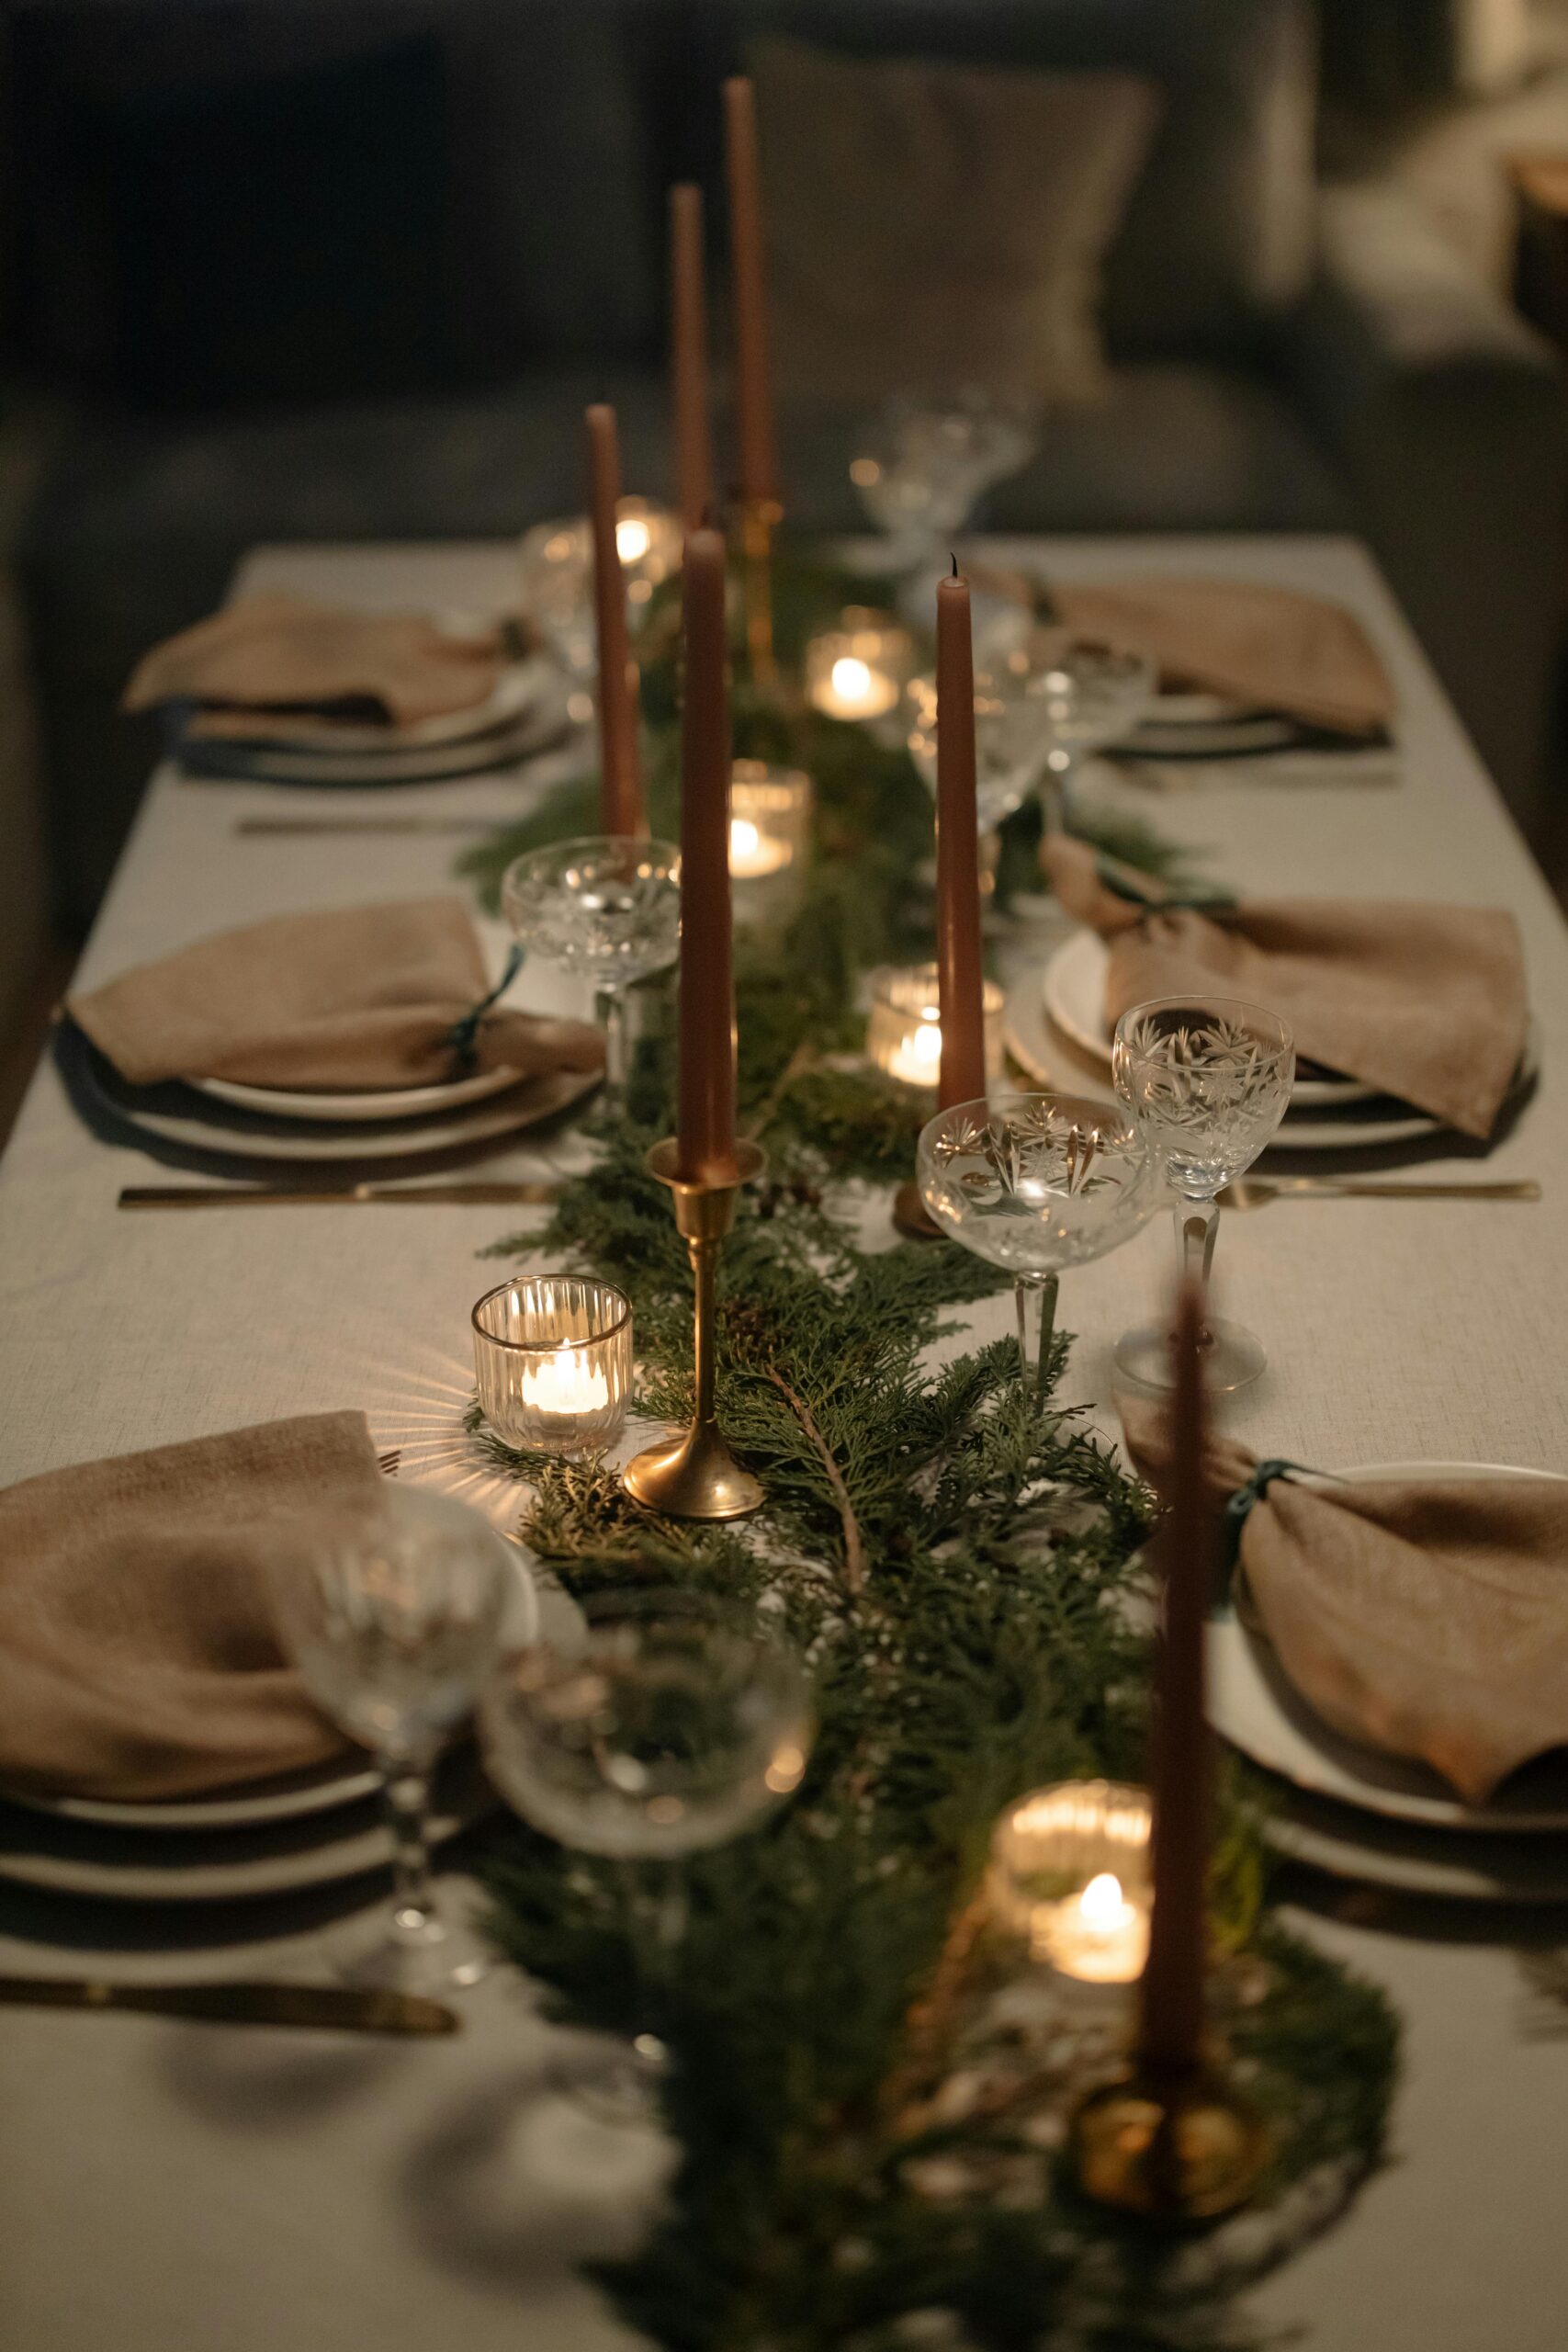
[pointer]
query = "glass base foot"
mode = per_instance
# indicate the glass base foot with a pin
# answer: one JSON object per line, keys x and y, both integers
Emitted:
{"x": 1232, "y": 1360}
{"x": 433, "y": 1957}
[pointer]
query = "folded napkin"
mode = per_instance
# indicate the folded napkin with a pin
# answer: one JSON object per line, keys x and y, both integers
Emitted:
{"x": 356, "y": 997}
{"x": 1266, "y": 647}
{"x": 1426, "y": 1619}
{"x": 273, "y": 654}
{"x": 137, "y": 1652}
{"x": 1424, "y": 1003}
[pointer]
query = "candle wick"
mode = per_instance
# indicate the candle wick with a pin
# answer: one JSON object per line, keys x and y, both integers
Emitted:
{"x": 955, "y": 567}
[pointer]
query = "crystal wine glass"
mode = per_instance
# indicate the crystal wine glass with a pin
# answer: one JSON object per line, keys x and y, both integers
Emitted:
{"x": 1007, "y": 742}
{"x": 1208, "y": 1079}
{"x": 922, "y": 466}
{"x": 394, "y": 1615}
{"x": 1035, "y": 1182}
{"x": 665, "y": 1721}
{"x": 1088, "y": 691}
{"x": 608, "y": 906}
{"x": 557, "y": 567}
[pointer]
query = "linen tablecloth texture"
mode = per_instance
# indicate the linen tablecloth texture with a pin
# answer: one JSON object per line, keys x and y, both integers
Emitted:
{"x": 137, "y": 1652}
{"x": 351, "y": 997}
{"x": 1424, "y": 1618}
{"x": 270, "y": 655}
{"x": 1425, "y": 1004}
{"x": 1270, "y": 649}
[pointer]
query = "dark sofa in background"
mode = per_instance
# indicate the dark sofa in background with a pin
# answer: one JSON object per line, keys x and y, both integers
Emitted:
{"x": 350, "y": 268}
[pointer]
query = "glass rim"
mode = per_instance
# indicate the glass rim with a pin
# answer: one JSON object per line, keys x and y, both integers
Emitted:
{"x": 550, "y": 1347}
{"x": 1203, "y": 1001}
{"x": 989, "y": 1103}
{"x": 884, "y": 976}
{"x": 594, "y": 841}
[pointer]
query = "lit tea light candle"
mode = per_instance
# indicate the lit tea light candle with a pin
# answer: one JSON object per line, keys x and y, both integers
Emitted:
{"x": 553, "y": 1362}
{"x": 859, "y": 670}
{"x": 770, "y": 819}
{"x": 1070, "y": 1872}
{"x": 633, "y": 537}
{"x": 903, "y": 1033}
{"x": 754, "y": 853}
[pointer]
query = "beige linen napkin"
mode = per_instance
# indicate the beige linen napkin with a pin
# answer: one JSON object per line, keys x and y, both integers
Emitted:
{"x": 1425, "y": 1004}
{"x": 279, "y": 653}
{"x": 137, "y": 1652}
{"x": 1427, "y": 1619}
{"x": 354, "y": 997}
{"x": 1267, "y": 648}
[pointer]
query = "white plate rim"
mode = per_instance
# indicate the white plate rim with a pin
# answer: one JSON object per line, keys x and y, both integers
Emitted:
{"x": 386, "y": 1104}
{"x": 1234, "y": 1670}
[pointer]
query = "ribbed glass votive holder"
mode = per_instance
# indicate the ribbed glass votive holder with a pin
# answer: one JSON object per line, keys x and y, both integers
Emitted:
{"x": 903, "y": 1033}
{"x": 553, "y": 1358}
{"x": 1070, "y": 1872}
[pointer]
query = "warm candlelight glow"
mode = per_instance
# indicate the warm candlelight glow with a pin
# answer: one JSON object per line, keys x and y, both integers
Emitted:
{"x": 633, "y": 539}
{"x": 1098, "y": 1936}
{"x": 858, "y": 671}
{"x": 1070, "y": 1871}
{"x": 904, "y": 1036}
{"x": 770, "y": 823}
{"x": 918, "y": 1056}
{"x": 754, "y": 853}
{"x": 565, "y": 1382}
{"x": 553, "y": 1360}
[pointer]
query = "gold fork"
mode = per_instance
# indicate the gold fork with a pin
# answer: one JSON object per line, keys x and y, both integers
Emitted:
{"x": 1256, "y": 1193}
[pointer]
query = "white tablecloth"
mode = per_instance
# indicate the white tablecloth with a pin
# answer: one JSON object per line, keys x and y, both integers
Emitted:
{"x": 169, "y": 2183}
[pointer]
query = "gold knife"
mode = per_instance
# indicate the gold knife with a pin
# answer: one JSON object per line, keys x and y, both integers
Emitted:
{"x": 292, "y": 827}
{"x": 348, "y": 2009}
{"x": 212, "y": 1196}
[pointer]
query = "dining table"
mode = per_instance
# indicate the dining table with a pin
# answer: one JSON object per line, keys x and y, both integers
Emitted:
{"x": 167, "y": 2182}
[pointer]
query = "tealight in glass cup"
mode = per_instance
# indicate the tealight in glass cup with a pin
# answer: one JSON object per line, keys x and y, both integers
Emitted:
{"x": 1208, "y": 1079}
{"x": 1070, "y": 1872}
{"x": 606, "y": 906}
{"x": 903, "y": 1035}
{"x": 553, "y": 1362}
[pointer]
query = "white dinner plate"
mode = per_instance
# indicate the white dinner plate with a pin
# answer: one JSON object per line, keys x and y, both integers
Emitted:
{"x": 1253, "y": 1705}
{"x": 405, "y": 1103}
{"x": 1456, "y": 1864}
{"x": 543, "y": 718}
{"x": 1074, "y": 989}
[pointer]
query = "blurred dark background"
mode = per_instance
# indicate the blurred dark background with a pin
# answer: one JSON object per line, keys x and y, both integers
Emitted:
{"x": 283, "y": 269}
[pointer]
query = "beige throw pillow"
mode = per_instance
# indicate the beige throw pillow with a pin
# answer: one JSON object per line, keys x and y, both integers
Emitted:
{"x": 935, "y": 226}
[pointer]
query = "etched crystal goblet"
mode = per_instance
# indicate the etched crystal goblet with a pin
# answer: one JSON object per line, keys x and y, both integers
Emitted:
{"x": 921, "y": 467}
{"x": 1036, "y": 1182}
{"x": 1208, "y": 1079}
{"x": 608, "y": 906}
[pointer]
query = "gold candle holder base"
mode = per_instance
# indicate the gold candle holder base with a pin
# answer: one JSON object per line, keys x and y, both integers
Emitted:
{"x": 1183, "y": 2148}
{"x": 695, "y": 1475}
{"x": 760, "y": 519}
{"x": 911, "y": 1216}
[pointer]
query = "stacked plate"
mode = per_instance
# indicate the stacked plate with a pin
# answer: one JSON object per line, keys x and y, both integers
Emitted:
{"x": 1326, "y": 1113}
{"x": 1360, "y": 1814}
{"x": 526, "y": 712}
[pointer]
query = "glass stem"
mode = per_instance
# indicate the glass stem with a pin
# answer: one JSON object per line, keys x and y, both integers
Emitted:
{"x": 1037, "y": 1296}
{"x": 1055, "y": 797}
{"x": 407, "y": 1789}
{"x": 613, "y": 1014}
{"x": 1197, "y": 1225}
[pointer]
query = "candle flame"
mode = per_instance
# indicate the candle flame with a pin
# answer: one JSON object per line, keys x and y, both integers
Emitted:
{"x": 1102, "y": 1902}
{"x": 564, "y": 1384}
{"x": 850, "y": 678}
{"x": 633, "y": 539}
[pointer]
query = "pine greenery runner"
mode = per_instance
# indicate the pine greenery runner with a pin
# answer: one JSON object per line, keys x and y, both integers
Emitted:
{"x": 962, "y": 1570}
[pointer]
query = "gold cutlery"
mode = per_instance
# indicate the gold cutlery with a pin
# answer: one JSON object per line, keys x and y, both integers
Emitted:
{"x": 348, "y": 2009}
{"x": 212, "y": 1196}
{"x": 1255, "y": 1192}
{"x": 292, "y": 826}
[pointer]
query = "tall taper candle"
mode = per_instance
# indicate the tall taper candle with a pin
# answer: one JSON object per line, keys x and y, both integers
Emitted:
{"x": 1172, "y": 2003}
{"x": 753, "y": 383}
{"x": 962, "y": 1075}
{"x": 620, "y": 766}
{"x": 706, "y": 1123}
{"x": 689, "y": 358}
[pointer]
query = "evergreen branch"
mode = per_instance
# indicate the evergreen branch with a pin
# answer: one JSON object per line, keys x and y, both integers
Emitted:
{"x": 855, "y": 1548}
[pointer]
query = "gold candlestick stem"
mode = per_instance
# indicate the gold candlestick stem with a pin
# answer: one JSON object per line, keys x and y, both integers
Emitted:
{"x": 759, "y": 517}
{"x": 695, "y": 1475}
{"x": 1178, "y": 2148}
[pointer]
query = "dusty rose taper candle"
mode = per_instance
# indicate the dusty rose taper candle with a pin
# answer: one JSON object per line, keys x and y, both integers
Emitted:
{"x": 1170, "y": 2024}
{"x": 758, "y": 450}
{"x": 706, "y": 1122}
{"x": 961, "y": 994}
{"x": 689, "y": 358}
{"x": 620, "y": 766}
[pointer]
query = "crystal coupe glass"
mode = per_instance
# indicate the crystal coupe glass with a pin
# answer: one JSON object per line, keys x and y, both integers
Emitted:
{"x": 663, "y": 1721}
{"x": 922, "y": 466}
{"x": 607, "y": 906}
{"x": 1087, "y": 693}
{"x": 1208, "y": 1079}
{"x": 1035, "y": 1182}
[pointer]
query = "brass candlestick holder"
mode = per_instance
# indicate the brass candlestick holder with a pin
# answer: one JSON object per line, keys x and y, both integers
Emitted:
{"x": 695, "y": 1475}
{"x": 760, "y": 519}
{"x": 1177, "y": 2146}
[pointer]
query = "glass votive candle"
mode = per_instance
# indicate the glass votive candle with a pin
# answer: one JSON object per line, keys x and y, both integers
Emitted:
{"x": 553, "y": 1360}
{"x": 770, "y": 819}
{"x": 1070, "y": 1870}
{"x": 859, "y": 670}
{"x": 903, "y": 1033}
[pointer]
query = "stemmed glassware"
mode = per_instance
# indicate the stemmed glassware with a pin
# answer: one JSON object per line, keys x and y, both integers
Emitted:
{"x": 394, "y": 1615}
{"x": 665, "y": 1721}
{"x": 1007, "y": 741}
{"x": 556, "y": 561}
{"x": 1036, "y": 1182}
{"x": 607, "y": 907}
{"x": 1208, "y": 1079}
{"x": 921, "y": 467}
{"x": 1088, "y": 692}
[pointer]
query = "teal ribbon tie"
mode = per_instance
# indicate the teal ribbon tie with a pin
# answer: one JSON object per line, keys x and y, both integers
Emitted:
{"x": 463, "y": 1034}
{"x": 1238, "y": 1506}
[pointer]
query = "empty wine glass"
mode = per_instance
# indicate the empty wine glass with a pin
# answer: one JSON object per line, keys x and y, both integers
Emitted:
{"x": 1088, "y": 691}
{"x": 1007, "y": 742}
{"x": 922, "y": 464}
{"x": 607, "y": 907}
{"x": 557, "y": 566}
{"x": 663, "y": 1721}
{"x": 1035, "y": 1182}
{"x": 1208, "y": 1079}
{"x": 394, "y": 1614}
